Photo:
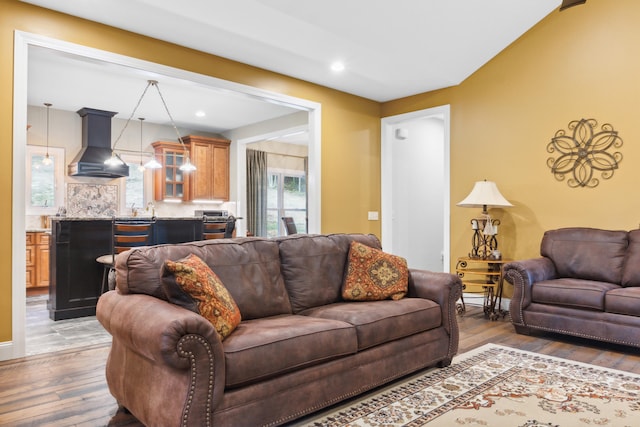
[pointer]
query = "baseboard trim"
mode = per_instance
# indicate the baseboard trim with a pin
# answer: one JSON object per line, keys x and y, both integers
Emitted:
{"x": 7, "y": 350}
{"x": 476, "y": 299}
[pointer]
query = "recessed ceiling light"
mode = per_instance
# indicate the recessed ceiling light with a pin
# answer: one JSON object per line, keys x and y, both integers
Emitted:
{"x": 337, "y": 66}
{"x": 200, "y": 113}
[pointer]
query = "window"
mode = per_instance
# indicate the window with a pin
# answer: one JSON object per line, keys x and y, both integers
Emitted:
{"x": 45, "y": 183}
{"x": 136, "y": 191}
{"x": 286, "y": 196}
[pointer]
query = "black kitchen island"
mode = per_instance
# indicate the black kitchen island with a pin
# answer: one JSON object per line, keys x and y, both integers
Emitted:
{"x": 76, "y": 277}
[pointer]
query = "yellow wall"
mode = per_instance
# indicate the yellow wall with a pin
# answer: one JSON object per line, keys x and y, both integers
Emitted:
{"x": 350, "y": 125}
{"x": 579, "y": 63}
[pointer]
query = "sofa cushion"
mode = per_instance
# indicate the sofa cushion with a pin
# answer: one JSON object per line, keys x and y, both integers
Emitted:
{"x": 586, "y": 253}
{"x": 623, "y": 301}
{"x": 263, "y": 348}
{"x": 313, "y": 266}
{"x": 249, "y": 268}
{"x": 373, "y": 275}
{"x": 631, "y": 270}
{"x": 578, "y": 293}
{"x": 190, "y": 280}
{"x": 377, "y": 322}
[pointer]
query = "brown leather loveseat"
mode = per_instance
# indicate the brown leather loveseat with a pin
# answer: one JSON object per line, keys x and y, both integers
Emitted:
{"x": 586, "y": 283}
{"x": 299, "y": 347}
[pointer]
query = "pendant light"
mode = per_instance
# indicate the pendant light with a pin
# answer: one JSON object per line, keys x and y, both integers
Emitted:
{"x": 151, "y": 164}
{"x": 47, "y": 160}
{"x": 187, "y": 166}
{"x": 141, "y": 166}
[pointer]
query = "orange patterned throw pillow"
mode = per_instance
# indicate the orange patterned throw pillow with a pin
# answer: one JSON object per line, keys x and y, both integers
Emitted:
{"x": 373, "y": 275}
{"x": 213, "y": 300}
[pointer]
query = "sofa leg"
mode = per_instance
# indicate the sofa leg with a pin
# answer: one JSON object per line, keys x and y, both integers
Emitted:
{"x": 122, "y": 417}
{"x": 524, "y": 330}
{"x": 444, "y": 363}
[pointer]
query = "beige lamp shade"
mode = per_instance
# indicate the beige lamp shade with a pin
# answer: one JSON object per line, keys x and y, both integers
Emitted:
{"x": 485, "y": 194}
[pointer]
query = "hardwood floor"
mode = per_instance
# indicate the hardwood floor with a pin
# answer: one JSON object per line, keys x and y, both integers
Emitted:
{"x": 67, "y": 388}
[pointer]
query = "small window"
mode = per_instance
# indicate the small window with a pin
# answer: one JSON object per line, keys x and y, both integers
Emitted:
{"x": 45, "y": 182}
{"x": 136, "y": 191}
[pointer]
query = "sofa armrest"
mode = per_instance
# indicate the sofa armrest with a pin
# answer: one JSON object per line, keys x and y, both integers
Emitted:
{"x": 522, "y": 275}
{"x": 444, "y": 289}
{"x": 170, "y": 339}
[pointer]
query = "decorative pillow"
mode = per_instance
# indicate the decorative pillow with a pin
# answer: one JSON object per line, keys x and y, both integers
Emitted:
{"x": 373, "y": 275}
{"x": 212, "y": 299}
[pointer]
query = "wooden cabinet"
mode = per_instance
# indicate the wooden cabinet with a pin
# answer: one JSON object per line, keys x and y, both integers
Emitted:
{"x": 210, "y": 180}
{"x": 170, "y": 183}
{"x": 42, "y": 255}
{"x": 31, "y": 257}
{"x": 37, "y": 259}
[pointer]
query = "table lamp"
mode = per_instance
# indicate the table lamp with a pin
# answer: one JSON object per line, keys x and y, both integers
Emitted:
{"x": 485, "y": 230}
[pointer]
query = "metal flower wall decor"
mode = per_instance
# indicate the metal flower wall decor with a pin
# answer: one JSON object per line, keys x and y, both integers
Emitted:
{"x": 584, "y": 151}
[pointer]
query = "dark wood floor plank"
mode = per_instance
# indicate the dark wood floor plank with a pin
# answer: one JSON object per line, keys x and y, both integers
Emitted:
{"x": 68, "y": 388}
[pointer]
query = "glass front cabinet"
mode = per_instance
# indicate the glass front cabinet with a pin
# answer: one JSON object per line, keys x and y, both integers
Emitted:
{"x": 170, "y": 182}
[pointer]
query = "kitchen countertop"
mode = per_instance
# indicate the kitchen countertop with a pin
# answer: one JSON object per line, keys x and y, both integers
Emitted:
{"x": 38, "y": 230}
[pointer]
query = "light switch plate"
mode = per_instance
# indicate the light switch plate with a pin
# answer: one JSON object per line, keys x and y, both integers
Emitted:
{"x": 372, "y": 216}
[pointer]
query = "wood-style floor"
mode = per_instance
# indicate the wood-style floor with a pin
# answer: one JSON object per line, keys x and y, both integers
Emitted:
{"x": 67, "y": 388}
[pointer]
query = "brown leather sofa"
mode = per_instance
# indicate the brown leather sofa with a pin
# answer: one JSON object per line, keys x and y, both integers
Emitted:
{"x": 586, "y": 283}
{"x": 299, "y": 347}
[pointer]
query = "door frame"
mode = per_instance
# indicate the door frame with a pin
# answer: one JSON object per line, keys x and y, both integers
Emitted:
{"x": 313, "y": 203}
{"x": 22, "y": 41}
{"x": 386, "y": 173}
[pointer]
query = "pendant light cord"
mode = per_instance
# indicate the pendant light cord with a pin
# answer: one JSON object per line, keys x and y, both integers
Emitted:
{"x": 47, "y": 160}
{"x": 132, "y": 114}
{"x": 153, "y": 83}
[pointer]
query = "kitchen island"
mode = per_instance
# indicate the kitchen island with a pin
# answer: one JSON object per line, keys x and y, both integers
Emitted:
{"x": 76, "y": 277}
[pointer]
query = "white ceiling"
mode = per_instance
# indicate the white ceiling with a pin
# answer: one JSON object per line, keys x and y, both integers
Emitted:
{"x": 391, "y": 49}
{"x": 70, "y": 82}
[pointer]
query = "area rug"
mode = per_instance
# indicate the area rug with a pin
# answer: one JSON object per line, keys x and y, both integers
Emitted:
{"x": 499, "y": 386}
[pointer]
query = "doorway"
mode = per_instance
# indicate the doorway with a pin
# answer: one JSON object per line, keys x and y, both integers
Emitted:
{"x": 22, "y": 42}
{"x": 415, "y": 187}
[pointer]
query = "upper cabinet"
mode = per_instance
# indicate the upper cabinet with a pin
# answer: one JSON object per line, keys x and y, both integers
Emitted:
{"x": 169, "y": 181}
{"x": 210, "y": 180}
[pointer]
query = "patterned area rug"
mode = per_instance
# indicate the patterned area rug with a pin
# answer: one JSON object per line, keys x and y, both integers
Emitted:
{"x": 499, "y": 386}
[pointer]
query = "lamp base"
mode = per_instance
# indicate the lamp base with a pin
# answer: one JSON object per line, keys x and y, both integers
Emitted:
{"x": 484, "y": 246}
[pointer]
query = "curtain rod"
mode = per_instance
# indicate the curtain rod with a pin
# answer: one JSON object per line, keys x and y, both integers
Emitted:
{"x": 286, "y": 155}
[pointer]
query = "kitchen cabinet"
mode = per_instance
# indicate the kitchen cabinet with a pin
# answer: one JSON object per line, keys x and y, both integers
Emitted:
{"x": 37, "y": 259}
{"x": 31, "y": 257}
{"x": 210, "y": 180}
{"x": 170, "y": 183}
